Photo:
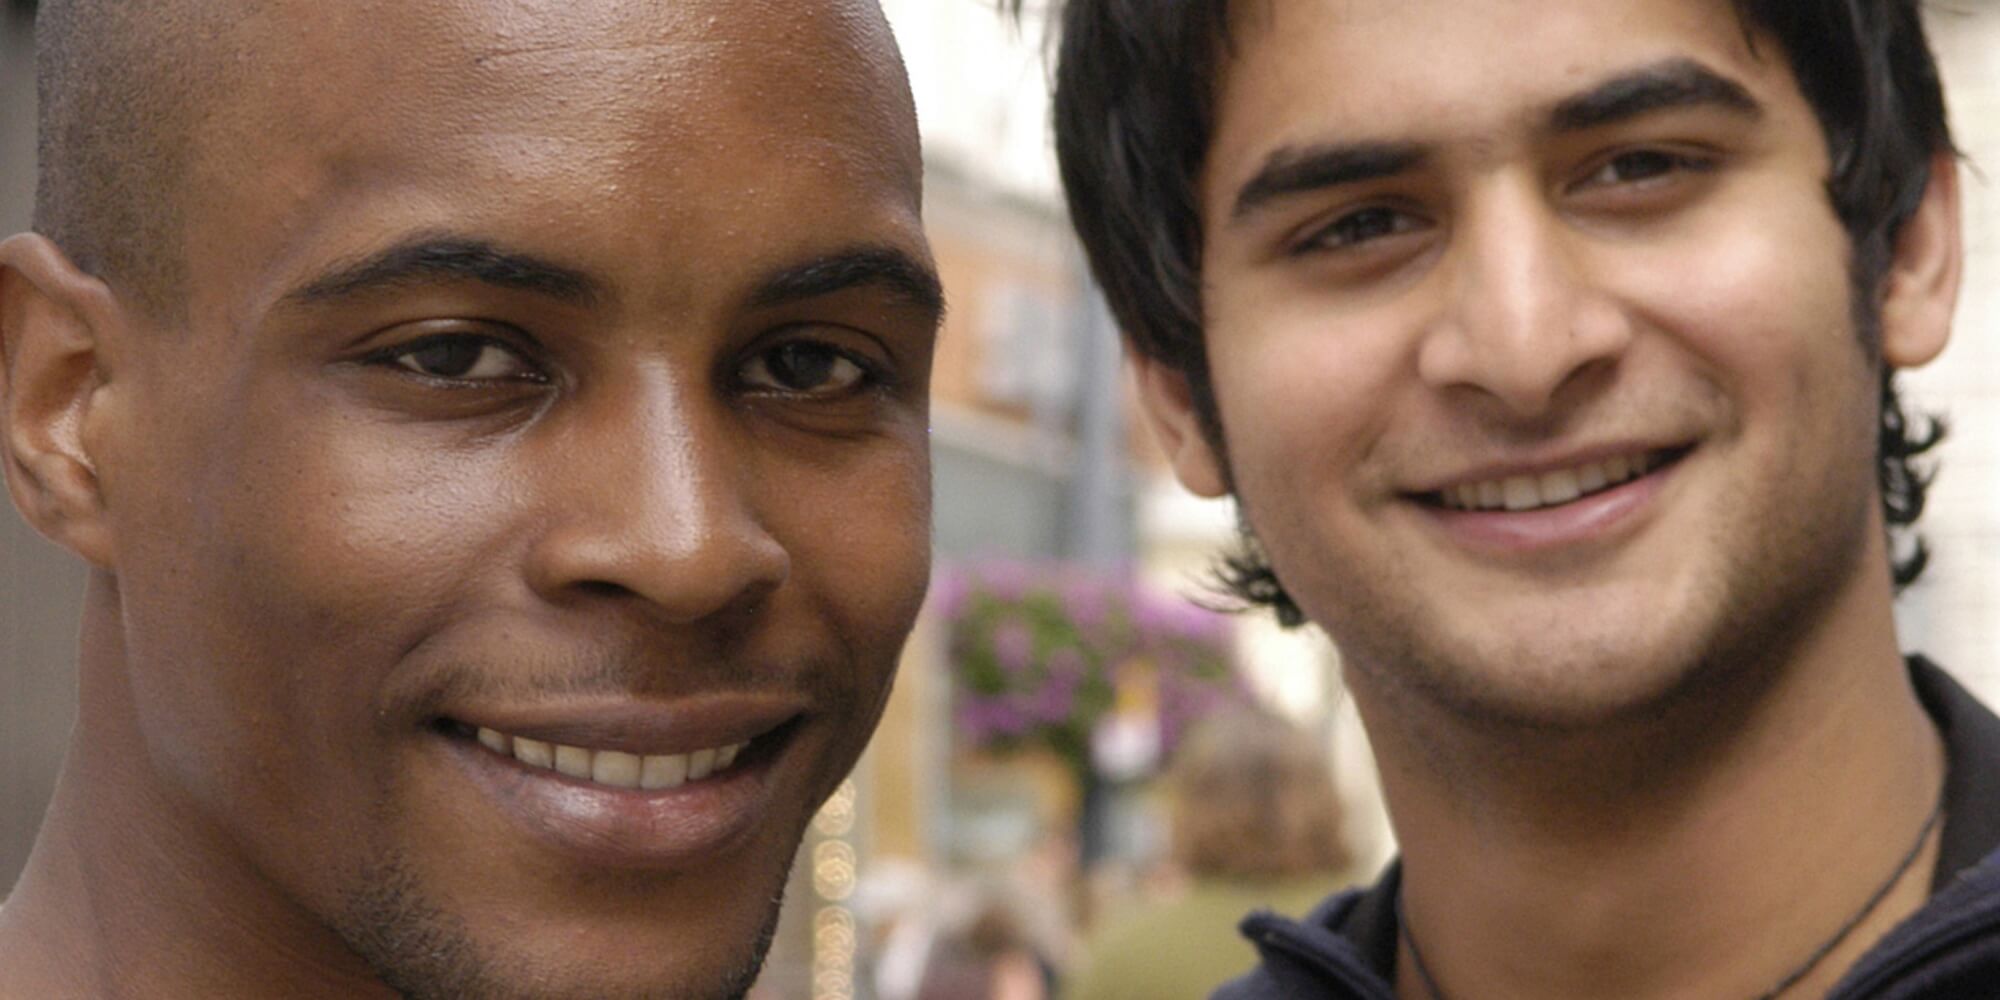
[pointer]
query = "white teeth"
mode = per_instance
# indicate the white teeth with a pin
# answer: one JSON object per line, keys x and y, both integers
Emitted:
{"x": 615, "y": 768}
{"x": 668, "y": 771}
{"x": 1518, "y": 493}
{"x": 534, "y": 752}
{"x": 1591, "y": 478}
{"x": 620, "y": 770}
{"x": 1559, "y": 486}
{"x": 1521, "y": 493}
{"x": 573, "y": 761}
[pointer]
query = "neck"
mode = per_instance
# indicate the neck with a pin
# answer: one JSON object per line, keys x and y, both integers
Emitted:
{"x": 128, "y": 893}
{"x": 1707, "y": 851}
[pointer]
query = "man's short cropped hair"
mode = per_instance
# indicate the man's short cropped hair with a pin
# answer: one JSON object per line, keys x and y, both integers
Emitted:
{"x": 118, "y": 103}
{"x": 1134, "y": 113}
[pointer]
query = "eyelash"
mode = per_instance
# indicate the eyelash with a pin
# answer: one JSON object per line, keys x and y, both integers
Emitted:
{"x": 1399, "y": 221}
{"x": 871, "y": 376}
{"x": 398, "y": 356}
{"x": 1671, "y": 161}
{"x": 1318, "y": 238}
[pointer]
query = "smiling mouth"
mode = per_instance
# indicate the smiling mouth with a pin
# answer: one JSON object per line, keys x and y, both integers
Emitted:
{"x": 616, "y": 769}
{"x": 1515, "y": 494}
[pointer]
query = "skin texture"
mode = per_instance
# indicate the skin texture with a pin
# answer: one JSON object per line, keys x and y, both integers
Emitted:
{"x": 1582, "y": 721}
{"x": 330, "y": 518}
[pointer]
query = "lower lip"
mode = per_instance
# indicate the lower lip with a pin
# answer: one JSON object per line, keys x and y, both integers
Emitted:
{"x": 605, "y": 827}
{"x": 1592, "y": 519}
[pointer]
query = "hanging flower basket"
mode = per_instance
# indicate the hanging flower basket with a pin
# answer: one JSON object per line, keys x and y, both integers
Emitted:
{"x": 1089, "y": 665}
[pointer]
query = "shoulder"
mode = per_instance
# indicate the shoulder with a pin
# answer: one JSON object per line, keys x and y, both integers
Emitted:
{"x": 1948, "y": 950}
{"x": 1951, "y": 947}
{"x": 1971, "y": 734}
{"x": 1344, "y": 948}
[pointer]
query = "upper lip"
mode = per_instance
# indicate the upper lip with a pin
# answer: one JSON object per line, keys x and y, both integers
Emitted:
{"x": 639, "y": 726}
{"x": 1537, "y": 465}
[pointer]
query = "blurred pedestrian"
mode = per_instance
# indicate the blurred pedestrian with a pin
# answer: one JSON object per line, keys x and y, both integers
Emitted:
{"x": 984, "y": 952}
{"x": 1255, "y": 824}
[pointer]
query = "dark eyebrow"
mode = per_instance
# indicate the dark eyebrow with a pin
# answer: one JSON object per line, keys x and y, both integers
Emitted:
{"x": 1671, "y": 83}
{"x": 444, "y": 258}
{"x": 900, "y": 274}
{"x": 1294, "y": 170}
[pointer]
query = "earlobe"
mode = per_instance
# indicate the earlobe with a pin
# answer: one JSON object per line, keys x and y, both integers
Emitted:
{"x": 1920, "y": 288}
{"x": 1167, "y": 400}
{"x": 52, "y": 366}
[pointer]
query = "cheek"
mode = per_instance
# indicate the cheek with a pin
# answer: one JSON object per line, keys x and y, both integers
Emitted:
{"x": 859, "y": 533}
{"x": 1762, "y": 270}
{"x": 1763, "y": 305}
{"x": 319, "y": 554}
{"x": 1762, "y": 310}
{"x": 1306, "y": 392}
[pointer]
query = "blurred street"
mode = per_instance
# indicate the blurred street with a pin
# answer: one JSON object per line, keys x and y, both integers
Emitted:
{"x": 1018, "y": 802}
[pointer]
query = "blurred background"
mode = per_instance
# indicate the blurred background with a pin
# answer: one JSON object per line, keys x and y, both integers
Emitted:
{"x": 1021, "y": 804}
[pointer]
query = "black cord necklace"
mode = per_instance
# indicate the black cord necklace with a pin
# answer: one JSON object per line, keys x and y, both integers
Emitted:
{"x": 1791, "y": 978}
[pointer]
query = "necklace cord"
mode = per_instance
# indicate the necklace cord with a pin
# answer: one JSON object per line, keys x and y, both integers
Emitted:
{"x": 1791, "y": 978}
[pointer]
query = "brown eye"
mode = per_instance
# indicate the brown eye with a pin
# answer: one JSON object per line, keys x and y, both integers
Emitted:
{"x": 804, "y": 367}
{"x": 1642, "y": 165}
{"x": 463, "y": 358}
{"x": 1360, "y": 227}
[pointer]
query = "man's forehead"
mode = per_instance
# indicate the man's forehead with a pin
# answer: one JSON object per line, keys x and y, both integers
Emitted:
{"x": 523, "y": 122}
{"x": 1299, "y": 72}
{"x": 1373, "y": 49}
{"x": 482, "y": 57}
{"x": 338, "y": 83}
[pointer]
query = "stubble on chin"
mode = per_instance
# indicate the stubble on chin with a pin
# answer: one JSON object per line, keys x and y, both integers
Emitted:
{"x": 1721, "y": 638}
{"x": 423, "y": 952}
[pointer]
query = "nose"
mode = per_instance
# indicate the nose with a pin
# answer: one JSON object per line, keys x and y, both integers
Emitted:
{"x": 1522, "y": 319}
{"x": 649, "y": 502}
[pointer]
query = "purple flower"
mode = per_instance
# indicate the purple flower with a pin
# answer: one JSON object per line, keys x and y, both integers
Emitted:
{"x": 1054, "y": 702}
{"x": 1087, "y": 600}
{"x": 1184, "y": 619}
{"x": 984, "y": 720}
{"x": 1005, "y": 580}
{"x": 1014, "y": 646}
{"x": 949, "y": 592}
{"x": 1007, "y": 719}
{"x": 1068, "y": 666}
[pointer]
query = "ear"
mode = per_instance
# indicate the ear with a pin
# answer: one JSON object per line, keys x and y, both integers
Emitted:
{"x": 1920, "y": 289}
{"x": 1167, "y": 400}
{"x": 51, "y": 369}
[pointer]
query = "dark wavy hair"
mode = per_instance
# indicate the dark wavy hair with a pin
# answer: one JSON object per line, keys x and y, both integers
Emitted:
{"x": 1133, "y": 117}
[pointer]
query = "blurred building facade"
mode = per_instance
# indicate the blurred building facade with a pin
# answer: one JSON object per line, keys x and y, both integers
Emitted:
{"x": 41, "y": 587}
{"x": 1953, "y": 613}
{"x": 1036, "y": 457}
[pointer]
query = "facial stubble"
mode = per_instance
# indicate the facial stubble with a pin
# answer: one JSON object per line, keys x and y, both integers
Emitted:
{"x": 425, "y": 952}
{"x": 1772, "y": 586}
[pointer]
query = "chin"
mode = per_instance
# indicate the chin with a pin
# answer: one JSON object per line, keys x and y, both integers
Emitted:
{"x": 1549, "y": 691}
{"x": 1548, "y": 665}
{"x": 425, "y": 950}
{"x": 1646, "y": 660}
{"x": 1588, "y": 691}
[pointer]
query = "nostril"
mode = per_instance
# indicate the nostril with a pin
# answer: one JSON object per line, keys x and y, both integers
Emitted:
{"x": 603, "y": 588}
